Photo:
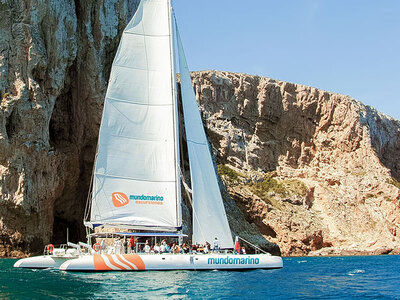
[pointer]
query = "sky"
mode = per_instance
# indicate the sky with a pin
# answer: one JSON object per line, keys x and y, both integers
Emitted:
{"x": 350, "y": 47}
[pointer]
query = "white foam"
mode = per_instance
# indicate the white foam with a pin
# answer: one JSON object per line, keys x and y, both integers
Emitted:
{"x": 354, "y": 272}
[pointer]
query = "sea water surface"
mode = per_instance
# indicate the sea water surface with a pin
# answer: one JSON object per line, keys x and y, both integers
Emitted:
{"x": 363, "y": 277}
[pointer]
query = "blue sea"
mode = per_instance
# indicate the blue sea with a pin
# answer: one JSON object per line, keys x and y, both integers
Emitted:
{"x": 368, "y": 277}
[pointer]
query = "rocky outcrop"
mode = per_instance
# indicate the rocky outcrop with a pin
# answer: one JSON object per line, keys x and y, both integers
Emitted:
{"x": 312, "y": 171}
{"x": 315, "y": 171}
{"x": 55, "y": 59}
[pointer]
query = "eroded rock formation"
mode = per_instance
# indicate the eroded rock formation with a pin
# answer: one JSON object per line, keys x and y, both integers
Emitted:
{"x": 55, "y": 59}
{"x": 315, "y": 171}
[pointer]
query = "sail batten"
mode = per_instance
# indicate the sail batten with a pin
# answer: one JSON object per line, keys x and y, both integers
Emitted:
{"x": 137, "y": 103}
{"x": 151, "y": 35}
{"x": 135, "y": 181}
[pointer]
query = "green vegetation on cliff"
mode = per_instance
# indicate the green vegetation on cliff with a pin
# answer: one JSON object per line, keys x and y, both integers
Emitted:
{"x": 229, "y": 174}
{"x": 281, "y": 187}
{"x": 267, "y": 188}
{"x": 394, "y": 182}
{"x": 268, "y": 185}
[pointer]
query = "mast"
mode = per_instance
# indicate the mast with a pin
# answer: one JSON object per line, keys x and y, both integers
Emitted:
{"x": 175, "y": 113}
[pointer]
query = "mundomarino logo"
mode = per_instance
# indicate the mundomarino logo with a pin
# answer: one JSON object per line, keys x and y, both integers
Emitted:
{"x": 119, "y": 199}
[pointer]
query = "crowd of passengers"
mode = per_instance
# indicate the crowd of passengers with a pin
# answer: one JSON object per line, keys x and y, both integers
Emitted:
{"x": 131, "y": 246}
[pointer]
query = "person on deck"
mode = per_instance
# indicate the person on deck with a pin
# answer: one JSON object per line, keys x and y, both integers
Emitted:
{"x": 117, "y": 246}
{"x": 167, "y": 248}
{"x": 237, "y": 247}
{"x": 162, "y": 246}
{"x": 125, "y": 246}
{"x": 156, "y": 248}
{"x": 174, "y": 248}
{"x": 185, "y": 248}
{"x": 132, "y": 244}
{"x": 216, "y": 245}
{"x": 206, "y": 248}
{"x": 147, "y": 247}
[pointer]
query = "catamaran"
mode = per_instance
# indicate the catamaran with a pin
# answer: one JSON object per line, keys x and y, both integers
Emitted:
{"x": 136, "y": 183}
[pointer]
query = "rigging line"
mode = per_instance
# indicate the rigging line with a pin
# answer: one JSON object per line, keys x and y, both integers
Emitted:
{"x": 198, "y": 143}
{"x": 138, "y": 140}
{"x": 187, "y": 188}
{"x": 112, "y": 99}
{"x": 265, "y": 252}
{"x": 130, "y": 120}
{"x": 140, "y": 69}
{"x": 89, "y": 198}
{"x": 147, "y": 35}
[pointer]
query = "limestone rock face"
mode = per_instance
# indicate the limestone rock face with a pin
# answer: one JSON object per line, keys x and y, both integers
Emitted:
{"x": 315, "y": 171}
{"x": 55, "y": 59}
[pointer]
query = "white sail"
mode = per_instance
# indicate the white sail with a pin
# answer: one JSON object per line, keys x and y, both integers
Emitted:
{"x": 135, "y": 181}
{"x": 209, "y": 217}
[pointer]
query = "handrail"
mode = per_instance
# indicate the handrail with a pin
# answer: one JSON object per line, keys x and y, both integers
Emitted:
{"x": 76, "y": 246}
{"x": 87, "y": 246}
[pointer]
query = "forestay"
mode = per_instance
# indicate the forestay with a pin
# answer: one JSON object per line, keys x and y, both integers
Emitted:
{"x": 135, "y": 180}
{"x": 209, "y": 217}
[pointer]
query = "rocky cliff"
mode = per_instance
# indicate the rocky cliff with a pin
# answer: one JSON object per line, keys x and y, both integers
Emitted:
{"x": 55, "y": 59}
{"x": 312, "y": 171}
{"x": 317, "y": 172}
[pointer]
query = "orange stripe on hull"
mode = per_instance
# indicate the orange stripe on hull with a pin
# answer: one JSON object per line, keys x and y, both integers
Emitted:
{"x": 136, "y": 260}
{"x": 99, "y": 263}
{"x": 114, "y": 263}
{"x": 120, "y": 257}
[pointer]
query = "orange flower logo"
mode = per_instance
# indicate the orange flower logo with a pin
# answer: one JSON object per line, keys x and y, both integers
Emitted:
{"x": 119, "y": 199}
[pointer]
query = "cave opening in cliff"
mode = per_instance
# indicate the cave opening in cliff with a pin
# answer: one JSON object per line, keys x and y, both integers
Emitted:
{"x": 64, "y": 229}
{"x": 75, "y": 147}
{"x": 11, "y": 125}
{"x": 61, "y": 122}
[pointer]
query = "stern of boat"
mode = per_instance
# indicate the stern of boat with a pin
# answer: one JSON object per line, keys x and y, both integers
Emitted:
{"x": 39, "y": 262}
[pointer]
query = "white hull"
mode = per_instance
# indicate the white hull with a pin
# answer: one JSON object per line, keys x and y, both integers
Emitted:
{"x": 149, "y": 262}
{"x": 41, "y": 262}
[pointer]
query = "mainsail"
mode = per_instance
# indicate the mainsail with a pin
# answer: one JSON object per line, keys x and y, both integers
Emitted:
{"x": 135, "y": 180}
{"x": 209, "y": 217}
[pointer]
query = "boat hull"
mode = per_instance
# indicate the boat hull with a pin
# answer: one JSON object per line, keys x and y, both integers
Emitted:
{"x": 149, "y": 262}
{"x": 41, "y": 262}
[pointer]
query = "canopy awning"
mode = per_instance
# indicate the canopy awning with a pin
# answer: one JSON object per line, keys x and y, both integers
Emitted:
{"x": 139, "y": 234}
